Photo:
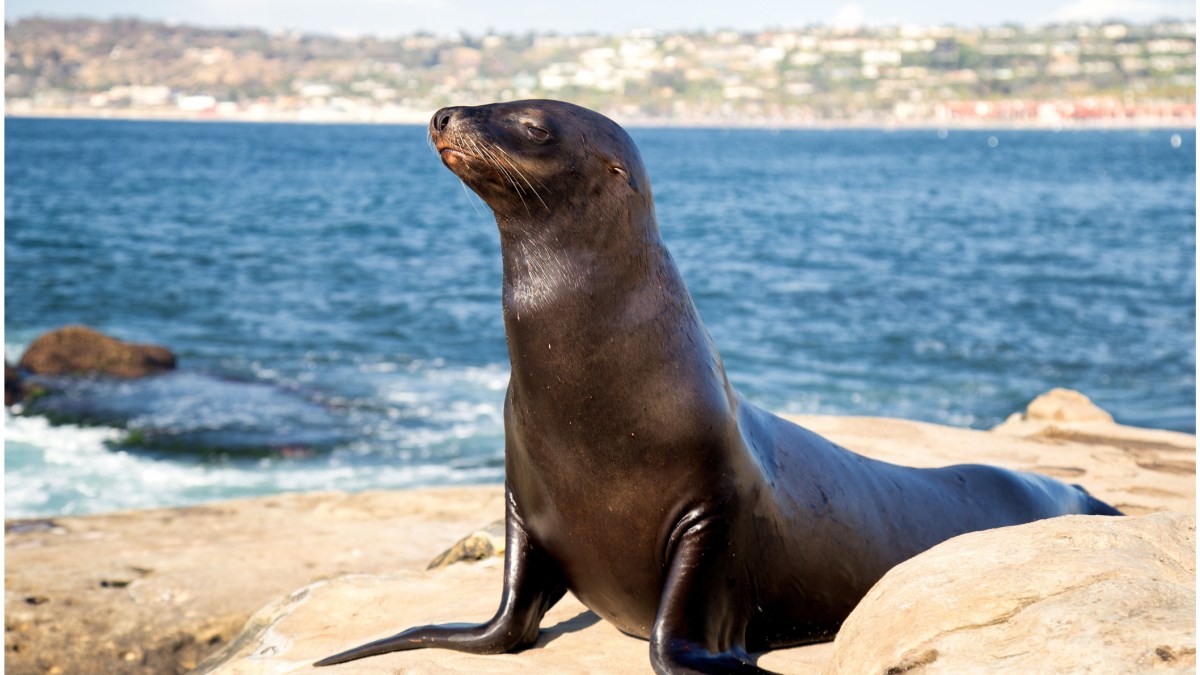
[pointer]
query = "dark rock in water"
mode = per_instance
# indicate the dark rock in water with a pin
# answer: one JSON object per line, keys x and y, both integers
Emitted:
{"x": 14, "y": 387}
{"x": 77, "y": 375}
{"x": 77, "y": 350}
{"x": 193, "y": 413}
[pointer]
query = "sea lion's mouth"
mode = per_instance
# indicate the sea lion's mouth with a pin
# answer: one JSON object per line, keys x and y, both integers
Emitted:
{"x": 474, "y": 169}
{"x": 449, "y": 152}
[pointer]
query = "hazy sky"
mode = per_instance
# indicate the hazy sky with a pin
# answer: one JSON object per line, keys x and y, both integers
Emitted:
{"x": 389, "y": 17}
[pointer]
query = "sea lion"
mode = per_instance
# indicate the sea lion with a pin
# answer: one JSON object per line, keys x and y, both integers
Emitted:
{"x": 636, "y": 477}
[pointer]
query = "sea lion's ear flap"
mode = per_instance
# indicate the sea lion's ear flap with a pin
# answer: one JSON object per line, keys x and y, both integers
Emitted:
{"x": 617, "y": 169}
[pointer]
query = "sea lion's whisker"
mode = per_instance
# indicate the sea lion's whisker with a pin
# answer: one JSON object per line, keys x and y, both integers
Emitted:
{"x": 470, "y": 199}
{"x": 483, "y": 149}
{"x": 496, "y": 163}
{"x": 516, "y": 170}
{"x": 516, "y": 187}
{"x": 491, "y": 159}
{"x": 511, "y": 162}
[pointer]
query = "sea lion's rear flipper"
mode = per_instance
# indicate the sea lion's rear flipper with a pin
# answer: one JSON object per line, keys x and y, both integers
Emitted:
{"x": 1094, "y": 506}
{"x": 532, "y": 584}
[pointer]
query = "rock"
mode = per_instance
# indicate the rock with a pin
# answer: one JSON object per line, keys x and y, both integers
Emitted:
{"x": 1062, "y": 407}
{"x": 14, "y": 387}
{"x": 1066, "y": 595}
{"x": 328, "y": 616}
{"x": 1062, "y": 421}
{"x": 1065, "y": 405}
{"x": 481, "y": 544}
{"x": 173, "y": 585}
{"x": 76, "y": 350}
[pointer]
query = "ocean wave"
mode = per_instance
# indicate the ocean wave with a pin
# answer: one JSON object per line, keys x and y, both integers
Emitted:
{"x": 14, "y": 350}
{"x": 64, "y": 444}
{"x": 436, "y": 425}
{"x": 57, "y": 470}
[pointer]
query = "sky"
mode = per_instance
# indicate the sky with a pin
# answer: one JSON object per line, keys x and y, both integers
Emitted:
{"x": 394, "y": 17}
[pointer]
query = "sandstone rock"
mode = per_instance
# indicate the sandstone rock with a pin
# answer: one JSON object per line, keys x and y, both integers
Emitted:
{"x": 80, "y": 350}
{"x": 479, "y": 545}
{"x": 1055, "y": 408}
{"x": 170, "y": 586}
{"x": 1065, "y": 405}
{"x": 1067, "y": 595}
{"x": 332, "y": 615}
{"x": 1062, "y": 421}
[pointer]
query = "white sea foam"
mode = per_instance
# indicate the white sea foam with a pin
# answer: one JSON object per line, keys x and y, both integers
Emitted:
{"x": 14, "y": 350}
{"x": 63, "y": 443}
{"x": 68, "y": 469}
{"x": 442, "y": 425}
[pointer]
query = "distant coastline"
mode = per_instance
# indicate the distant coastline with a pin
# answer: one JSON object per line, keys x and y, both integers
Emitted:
{"x": 1072, "y": 76}
{"x": 421, "y": 118}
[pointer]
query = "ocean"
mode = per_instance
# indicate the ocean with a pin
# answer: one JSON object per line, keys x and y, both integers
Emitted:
{"x": 333, "y": 293}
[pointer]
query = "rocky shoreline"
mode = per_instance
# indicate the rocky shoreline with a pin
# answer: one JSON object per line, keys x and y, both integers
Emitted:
{"x": 161, "y": 590}
{"x": 155, "y": 591}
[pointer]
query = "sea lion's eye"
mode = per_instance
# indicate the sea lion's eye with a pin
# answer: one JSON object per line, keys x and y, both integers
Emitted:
{"x": 538, "y": 133}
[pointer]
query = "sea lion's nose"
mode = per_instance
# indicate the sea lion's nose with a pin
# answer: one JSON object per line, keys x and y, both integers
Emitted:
{"x": 441, "y": 118}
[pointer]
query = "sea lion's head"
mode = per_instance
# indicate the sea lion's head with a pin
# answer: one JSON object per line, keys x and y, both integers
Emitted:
{"x": 539, "y": 158}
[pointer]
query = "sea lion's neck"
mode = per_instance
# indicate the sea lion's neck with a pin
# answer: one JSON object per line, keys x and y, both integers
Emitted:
{"x": 591, "y": 305}
{"x": 558, "y": 269}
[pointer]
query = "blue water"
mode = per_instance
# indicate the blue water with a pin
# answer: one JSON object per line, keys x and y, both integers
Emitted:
{"x": 333, "y": 293}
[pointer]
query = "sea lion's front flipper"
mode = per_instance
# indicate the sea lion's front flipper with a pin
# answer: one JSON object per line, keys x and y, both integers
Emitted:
{"x": 532, "y": 584}
{"x": 701, "y": 622}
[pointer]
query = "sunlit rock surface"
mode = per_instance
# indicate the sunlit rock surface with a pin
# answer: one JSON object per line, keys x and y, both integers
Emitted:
{"x": 1077, "y": 594}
